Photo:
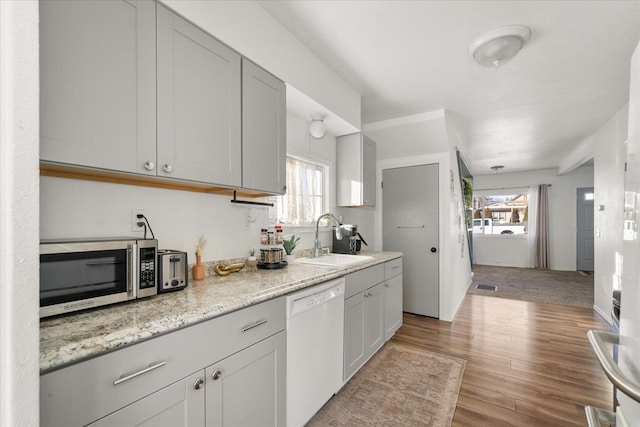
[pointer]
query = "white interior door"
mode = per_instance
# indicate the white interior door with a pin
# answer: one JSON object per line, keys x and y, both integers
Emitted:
{"x": 410, "y": 225}
{"x": 585, "y": 220}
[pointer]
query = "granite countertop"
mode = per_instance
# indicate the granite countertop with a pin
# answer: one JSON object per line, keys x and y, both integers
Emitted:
{"x": 72, "y": 338}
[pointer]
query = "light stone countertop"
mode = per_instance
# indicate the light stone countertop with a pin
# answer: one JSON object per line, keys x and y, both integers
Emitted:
{"x": 72, "y": 338}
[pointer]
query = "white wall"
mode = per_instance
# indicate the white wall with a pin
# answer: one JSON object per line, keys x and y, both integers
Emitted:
{"x": 250, "y": 30}
{"x": 609, "y": 158}
{"x": 19, "y": 254}
{"x": 562, "y": 217}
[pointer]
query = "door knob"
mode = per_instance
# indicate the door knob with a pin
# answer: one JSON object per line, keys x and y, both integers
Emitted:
{"x": 434, "y": 250}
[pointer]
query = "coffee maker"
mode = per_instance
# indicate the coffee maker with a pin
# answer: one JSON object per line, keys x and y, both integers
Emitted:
{"x": 351, "y": 240}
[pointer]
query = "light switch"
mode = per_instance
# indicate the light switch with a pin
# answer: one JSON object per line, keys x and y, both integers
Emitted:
{"x": 597, "y": 232}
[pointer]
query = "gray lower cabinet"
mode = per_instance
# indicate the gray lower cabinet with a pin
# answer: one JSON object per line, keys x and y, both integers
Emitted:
{"x": 245, "y": 389}
{"x": 363, "y": 317}
{"x": 248, "y": 388}
{"x": 156, "y": 381}
{"x": 263, "y": 130}
{"x": 98, "y": 83}
{"x": 372, "y": 312}
{"x": 181, "y": 404}
{"x": 392, "y": 297}
{"x": 392, "y": 306}
{"x": 198, "y": 104}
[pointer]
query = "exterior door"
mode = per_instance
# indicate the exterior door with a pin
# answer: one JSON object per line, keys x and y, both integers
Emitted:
{"x": 410, "y": 224}
{"x": 585, "y": 221}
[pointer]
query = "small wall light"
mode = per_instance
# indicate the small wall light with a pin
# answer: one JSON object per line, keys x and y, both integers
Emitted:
{"x": 317, "y": 129}
{"x": 500, "y": 45}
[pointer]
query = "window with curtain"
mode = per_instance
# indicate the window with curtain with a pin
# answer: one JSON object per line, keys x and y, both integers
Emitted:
{"x": 306, "y": 197}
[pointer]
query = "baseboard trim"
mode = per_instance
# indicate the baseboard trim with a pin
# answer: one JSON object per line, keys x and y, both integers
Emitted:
{"x": 605, "y": 316}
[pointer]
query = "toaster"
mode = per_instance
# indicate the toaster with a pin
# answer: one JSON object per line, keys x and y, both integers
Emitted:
{"x": 172, "y": 270}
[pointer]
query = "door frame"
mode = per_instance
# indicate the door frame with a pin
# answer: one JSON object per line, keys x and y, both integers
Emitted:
{"x": 443, "y": 160}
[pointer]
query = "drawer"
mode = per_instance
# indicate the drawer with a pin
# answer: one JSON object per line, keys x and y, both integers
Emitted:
{"x": 392, "y": 268}
{"x": 86, "y": 391}
{"x": 363, "y": 279}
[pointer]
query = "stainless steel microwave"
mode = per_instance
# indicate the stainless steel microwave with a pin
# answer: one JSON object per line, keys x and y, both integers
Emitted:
{"x": 80, "y": 274}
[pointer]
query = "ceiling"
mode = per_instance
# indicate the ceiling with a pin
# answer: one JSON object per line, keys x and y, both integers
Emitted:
{"x": 410, "y": 57}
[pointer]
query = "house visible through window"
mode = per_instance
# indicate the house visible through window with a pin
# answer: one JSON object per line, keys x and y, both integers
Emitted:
{"x": 501, "y": 214}
{"x": 306, "y": 196}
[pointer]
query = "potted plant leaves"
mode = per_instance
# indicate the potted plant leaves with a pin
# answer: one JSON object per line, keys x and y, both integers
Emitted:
{"x": 289, "y": 246}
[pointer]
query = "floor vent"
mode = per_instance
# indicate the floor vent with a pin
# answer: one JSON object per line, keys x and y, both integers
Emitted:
{"x": 487, "y": 287}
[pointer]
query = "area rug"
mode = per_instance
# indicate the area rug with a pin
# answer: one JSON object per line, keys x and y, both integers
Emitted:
{"x": 399, "y": 386}
{"x": 527, "y": 284}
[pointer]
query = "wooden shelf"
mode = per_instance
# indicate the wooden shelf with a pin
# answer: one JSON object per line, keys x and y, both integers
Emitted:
{"x": 100, "y": 175}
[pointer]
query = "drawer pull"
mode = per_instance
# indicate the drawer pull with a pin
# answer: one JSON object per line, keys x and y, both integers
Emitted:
{"x": 198, "y": 384}
{"x": 136, "y": 374}
{"x": 254, "y": 325}
{"x": 395, "y": 267}
{"x": 217, "y": 374}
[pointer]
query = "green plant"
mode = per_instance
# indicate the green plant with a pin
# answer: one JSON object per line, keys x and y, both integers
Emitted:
{"x": 290, "y": 245}
{"x": 252, "y": 252}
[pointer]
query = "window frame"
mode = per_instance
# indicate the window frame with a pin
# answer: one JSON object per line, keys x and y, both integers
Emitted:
{"x": 326, "y": 185}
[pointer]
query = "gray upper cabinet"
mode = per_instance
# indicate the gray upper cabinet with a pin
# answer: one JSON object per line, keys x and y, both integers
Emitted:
{"x": 356, "y": 170}
{"x": 263, "y": 130}
{"x": 97, "y": 83}
{"x": 198, "y": 104}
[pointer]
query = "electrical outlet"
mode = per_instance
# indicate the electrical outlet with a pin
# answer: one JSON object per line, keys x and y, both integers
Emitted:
{"x": 135, "y": 220}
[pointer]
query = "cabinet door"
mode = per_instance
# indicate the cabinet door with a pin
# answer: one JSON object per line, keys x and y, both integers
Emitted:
{"x": 354, "y": 342}
{"x": 97, "y": 83}
{"x": 392, "y": 306}
{"x": 374, "y": 319}
{"x": 180, "y": 404}
{"x": 263, "y": 130}
{"x": 198, "y": 104}
{"x": 368, "y": 172}
{"x": 248, "y": 388}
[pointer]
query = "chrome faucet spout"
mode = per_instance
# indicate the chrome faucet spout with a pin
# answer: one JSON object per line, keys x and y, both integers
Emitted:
{"x": 316, "y": 244}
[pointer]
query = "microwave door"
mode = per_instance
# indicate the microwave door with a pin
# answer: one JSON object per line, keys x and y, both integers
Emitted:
{"x": 75, "y": 276}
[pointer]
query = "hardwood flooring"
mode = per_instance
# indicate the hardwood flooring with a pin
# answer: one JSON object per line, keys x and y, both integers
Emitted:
{"x": 528, "y": 363}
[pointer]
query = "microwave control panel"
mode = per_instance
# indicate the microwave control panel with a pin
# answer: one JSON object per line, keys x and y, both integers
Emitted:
{"x": 147, "y": 268}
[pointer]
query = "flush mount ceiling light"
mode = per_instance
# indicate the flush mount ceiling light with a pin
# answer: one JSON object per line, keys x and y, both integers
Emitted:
{"x": 497, "y": 169}
{"x": 500, "y": 45}
{"x": 316, "y": 128}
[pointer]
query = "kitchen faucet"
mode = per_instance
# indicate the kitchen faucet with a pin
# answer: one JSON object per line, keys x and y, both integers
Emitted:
{"x": 316, "y": 244}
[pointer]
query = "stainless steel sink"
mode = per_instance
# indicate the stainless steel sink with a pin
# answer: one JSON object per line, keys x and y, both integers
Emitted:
{"x": 336, "y": 260}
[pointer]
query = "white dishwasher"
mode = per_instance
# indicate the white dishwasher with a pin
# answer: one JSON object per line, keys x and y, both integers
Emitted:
{"x": 315, "y": 331}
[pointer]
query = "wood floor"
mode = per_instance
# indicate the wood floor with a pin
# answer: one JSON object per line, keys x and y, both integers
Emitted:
{"x": 528, "y": 364}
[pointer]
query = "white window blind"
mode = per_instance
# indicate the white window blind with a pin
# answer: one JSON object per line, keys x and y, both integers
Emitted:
{"x": 305, "y": 199}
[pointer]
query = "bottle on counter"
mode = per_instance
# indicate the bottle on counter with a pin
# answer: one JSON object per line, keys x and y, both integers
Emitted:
{"x": 279, "y": 235}
{"x": 264, "y": 238}
{"x": 271, "y": 240}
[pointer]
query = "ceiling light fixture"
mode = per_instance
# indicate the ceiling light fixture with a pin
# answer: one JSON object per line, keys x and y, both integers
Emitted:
{"x": 497, "y": 169}
{"x": 500, "y": 45}
{"x": 317, "y": 128}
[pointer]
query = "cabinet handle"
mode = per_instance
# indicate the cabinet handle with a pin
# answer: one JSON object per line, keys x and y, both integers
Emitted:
{"x": 136, "y": 374}
{"x": 167, "y": 168}
{"x": 198, "y": 384}
{"x": 254, "y": 325}
{"x": 217, "y": 374}
{"x": 149, "y": 166}
{"x": 386, "y": 285}
{"x": 395, "y": 267}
